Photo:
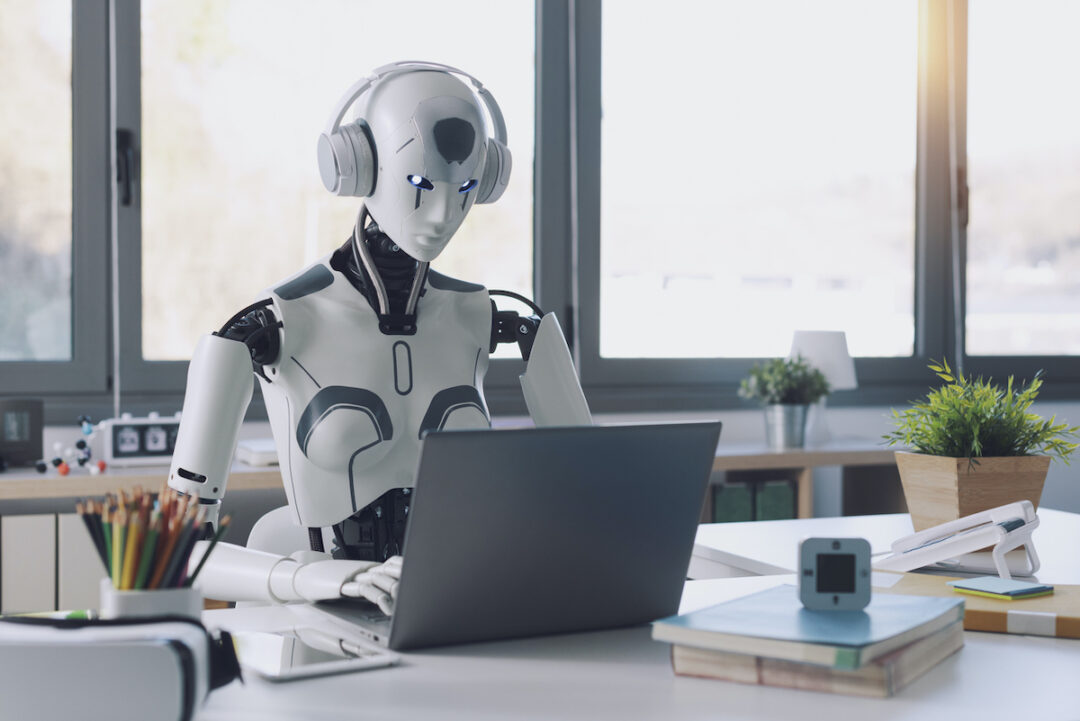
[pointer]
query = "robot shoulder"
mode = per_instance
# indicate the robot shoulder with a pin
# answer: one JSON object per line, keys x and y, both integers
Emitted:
{"x": 438, "y": 281}
{"x": 508, "y": 326}
{"x": 311, "y": 280}
{"x": 258, "y": 328}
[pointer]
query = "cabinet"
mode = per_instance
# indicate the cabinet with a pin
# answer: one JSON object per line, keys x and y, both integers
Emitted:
{"x": 869, "y": 480}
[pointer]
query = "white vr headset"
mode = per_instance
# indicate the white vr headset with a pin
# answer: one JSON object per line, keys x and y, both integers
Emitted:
{"x": 149, "y": 669}
{"x": 347, "y": 159}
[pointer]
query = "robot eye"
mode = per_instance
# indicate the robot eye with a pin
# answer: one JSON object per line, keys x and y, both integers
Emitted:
{"x": 420, "y": 182}
{"x": 467, "y": 186}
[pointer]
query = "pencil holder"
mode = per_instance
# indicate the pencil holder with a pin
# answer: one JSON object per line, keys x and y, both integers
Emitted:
{"x": 184, "y": 601}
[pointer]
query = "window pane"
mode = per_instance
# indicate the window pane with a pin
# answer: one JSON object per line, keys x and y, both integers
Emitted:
{"x": 234, "y": 96}
{"x": 1024, "y": 174}
{"x": 35, "y": 180}
{"x": 758, "y": 176}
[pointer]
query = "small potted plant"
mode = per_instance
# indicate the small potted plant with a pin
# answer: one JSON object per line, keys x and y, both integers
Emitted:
{"x": 786, "y": 387}
{"x": 974, "y": 446}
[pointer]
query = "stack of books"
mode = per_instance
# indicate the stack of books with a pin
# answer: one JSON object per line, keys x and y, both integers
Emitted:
{"x": 768, "y": 638}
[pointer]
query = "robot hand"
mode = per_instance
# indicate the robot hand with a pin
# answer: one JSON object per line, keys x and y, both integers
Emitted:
{"x": 326, "y": 579}
{"x": 378, "y": 585}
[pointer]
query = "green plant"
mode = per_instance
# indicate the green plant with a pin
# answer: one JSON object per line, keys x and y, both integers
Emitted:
{"x": 972, "y": 418}
{"x": 788, "y": 381}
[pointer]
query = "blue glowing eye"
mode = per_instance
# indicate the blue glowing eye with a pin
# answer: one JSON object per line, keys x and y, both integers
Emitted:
{"x": 467, "y": 186}
{"x": 420, "y": 182}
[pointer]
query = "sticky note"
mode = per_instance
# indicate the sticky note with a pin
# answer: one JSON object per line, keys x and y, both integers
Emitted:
{"x": 1000, "y": 587}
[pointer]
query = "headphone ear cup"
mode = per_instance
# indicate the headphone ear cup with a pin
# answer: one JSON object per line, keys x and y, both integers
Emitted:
{"x": 335, "y": 162}
{"x": 357, "y": 137}
{"x": 496, "y": 172}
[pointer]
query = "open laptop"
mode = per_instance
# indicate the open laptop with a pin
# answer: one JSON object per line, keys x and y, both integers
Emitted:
{"x": 516, "y": 533}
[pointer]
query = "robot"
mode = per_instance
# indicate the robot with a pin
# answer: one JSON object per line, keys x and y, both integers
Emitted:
{"x": 366, "y": 350}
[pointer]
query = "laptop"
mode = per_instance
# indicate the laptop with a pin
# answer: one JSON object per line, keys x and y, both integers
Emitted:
{"x": 516, "y": 533}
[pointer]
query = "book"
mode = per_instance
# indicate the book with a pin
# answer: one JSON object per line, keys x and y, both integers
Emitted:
{"x": 881, "y": 678}
{"x": 1057, "y": 614}
{"x": 773, "y": 623}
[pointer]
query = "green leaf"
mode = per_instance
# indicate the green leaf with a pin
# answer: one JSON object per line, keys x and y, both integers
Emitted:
{"x": 971, "y": 418}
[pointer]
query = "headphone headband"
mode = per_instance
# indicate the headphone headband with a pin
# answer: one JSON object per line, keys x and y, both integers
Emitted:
{"x": 406, "y": 66}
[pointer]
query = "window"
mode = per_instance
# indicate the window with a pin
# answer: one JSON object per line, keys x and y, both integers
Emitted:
{"x": 755, "y": 180}
{"x": 35, "y": 180}
{"x": 1023, "y": 148}
{"x": 690, "y": 185}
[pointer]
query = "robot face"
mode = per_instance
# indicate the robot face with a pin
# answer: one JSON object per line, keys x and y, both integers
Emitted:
{"x": 430, "y": 167}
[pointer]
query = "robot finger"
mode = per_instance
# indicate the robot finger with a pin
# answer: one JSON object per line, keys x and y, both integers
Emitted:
{"x": 384, "y": 582}
{"x": 391, "y": 567}
{"x": 363, "y": 589}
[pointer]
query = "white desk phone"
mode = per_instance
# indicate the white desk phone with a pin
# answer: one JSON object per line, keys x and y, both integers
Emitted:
{"x": 1005, "y": 528}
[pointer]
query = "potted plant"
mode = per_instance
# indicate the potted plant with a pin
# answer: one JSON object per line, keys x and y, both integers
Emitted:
{"x": 786, "y": 387}
{"x": 974, "y": 446}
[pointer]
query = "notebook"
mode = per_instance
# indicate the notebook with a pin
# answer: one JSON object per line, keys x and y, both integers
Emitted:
{"x": 773, "y": 623}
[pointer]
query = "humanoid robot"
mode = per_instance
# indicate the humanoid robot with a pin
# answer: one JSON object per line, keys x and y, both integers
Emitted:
{"x": 366, "y": 350}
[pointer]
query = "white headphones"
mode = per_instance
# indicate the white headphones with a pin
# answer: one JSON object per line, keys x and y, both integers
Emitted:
{"x": 347, "y": 161}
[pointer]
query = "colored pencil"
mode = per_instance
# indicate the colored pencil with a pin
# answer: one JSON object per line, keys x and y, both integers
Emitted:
{"x": 87, "y": 517}
{"x": 119, "y": 537}
{"x": 168, "y": 543}
{"x": 106, "y": 527}
{"x": 131, "y": 551}
{"x": 144, "y": 542}
{"x": 181, "y": 549}
{"x": 222, "y": 528}
{"x": 149, "y": 546}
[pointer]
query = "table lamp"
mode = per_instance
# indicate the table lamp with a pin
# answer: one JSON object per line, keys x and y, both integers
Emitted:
{"x": 827, "y": 351}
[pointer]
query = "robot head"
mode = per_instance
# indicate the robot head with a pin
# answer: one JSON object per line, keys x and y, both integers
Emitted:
{"x": 419, "y": 151}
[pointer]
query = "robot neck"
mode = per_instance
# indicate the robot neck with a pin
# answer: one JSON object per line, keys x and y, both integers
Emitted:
{"x": 396, "y": 270}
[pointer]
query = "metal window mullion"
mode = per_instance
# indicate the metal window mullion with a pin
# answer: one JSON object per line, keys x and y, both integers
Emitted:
{"x": 552, "y": 256}
{"x": 586, "y": 35}
{"x": 933, "y": 302}
{"x": 87, "y": 370}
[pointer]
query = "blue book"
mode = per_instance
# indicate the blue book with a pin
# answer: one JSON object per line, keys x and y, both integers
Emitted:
{"x": 774, "y": 624}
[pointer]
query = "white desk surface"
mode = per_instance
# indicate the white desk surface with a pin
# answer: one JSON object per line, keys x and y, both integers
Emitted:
{"x": 769, "y": 547}
{"x": 623, "y": 674}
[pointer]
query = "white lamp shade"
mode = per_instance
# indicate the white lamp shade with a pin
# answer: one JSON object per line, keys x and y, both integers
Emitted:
{"x": 827, "y": 351}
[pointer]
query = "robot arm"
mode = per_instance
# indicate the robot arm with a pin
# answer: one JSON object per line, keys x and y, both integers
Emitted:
{"x": 219, "y": 389}
{"x": 236, "y": 573}
{"x": 550, "y": 383}
{"x": 218, "y": 392}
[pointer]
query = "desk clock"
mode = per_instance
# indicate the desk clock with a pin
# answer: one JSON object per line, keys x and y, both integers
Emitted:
{"x": 834, "y": 574}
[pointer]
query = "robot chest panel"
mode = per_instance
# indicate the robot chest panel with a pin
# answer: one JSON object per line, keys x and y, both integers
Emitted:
{"x": 357, "y": 396}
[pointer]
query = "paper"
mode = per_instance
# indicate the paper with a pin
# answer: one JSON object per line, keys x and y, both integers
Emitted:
{"x": 879, "y": 579}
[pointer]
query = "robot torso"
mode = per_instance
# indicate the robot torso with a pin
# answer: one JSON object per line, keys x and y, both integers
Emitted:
{"x": 348, "y": 404}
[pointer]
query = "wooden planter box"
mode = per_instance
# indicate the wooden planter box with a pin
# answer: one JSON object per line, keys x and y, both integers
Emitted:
{"x": 940, "y": 488}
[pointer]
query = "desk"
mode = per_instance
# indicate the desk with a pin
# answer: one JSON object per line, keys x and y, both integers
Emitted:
{"x": 856, "y": 457}
{"x": 623, "y": 674}
{"x": 770, "y": 547}
{"x": 21, "y": 484}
